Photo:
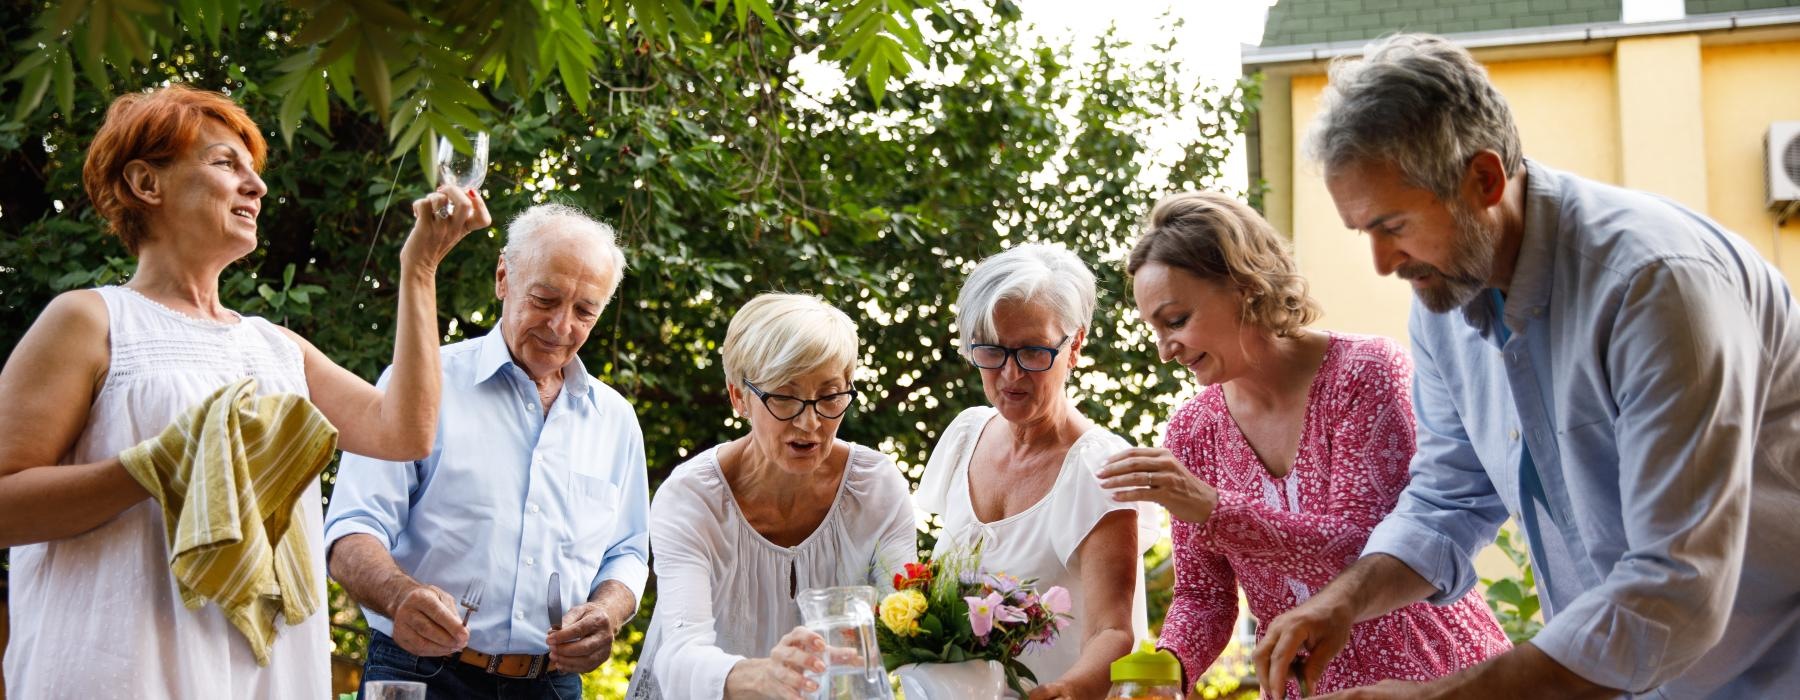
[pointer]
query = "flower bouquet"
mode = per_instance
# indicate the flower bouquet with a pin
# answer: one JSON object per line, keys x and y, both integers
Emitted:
{"x": 949, "y": 611}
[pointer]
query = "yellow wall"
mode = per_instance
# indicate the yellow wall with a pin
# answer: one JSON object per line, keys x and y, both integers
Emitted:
{"x": 1661, "y": 130}
{"x": 1567, "y": 114}
{"x": 1743, "y": 89}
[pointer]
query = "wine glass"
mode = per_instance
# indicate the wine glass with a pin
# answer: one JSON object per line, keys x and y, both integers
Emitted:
{"x": 462, "y": 168}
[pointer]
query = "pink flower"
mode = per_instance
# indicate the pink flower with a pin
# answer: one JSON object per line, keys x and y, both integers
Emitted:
{"x": 981, "y": 614}
{"x": 1002, "y": 583}
{"x": 1056, "y": 600}
{"x": 1009, "y": 614}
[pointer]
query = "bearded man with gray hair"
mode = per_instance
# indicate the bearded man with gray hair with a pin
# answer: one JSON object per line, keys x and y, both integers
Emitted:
{"x": 1617, "y": 373}
{"x": 532, "y": 509}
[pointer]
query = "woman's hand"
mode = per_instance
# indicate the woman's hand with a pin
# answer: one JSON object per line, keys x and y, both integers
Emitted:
{"x": 1153, "y": 474}
{"x": 433, "y": 237}
{"x": 783, "y": 674}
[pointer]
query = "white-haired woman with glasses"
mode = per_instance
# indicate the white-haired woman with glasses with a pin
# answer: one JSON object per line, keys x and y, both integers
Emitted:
{"x": 742, "y": 528}
{"x": 1017, "y": 477}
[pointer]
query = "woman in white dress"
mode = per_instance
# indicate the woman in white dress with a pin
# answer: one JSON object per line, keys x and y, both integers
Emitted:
{"x": 739, "y": 530}
{"x": 1017, "y": 476}
{"x": 95, "y": 612}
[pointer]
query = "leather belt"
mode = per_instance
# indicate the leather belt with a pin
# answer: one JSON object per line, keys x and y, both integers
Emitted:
{"x": 506, "y": 665}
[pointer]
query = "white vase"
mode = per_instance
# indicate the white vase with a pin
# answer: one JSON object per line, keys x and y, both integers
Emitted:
{"x": 967, "y": 680}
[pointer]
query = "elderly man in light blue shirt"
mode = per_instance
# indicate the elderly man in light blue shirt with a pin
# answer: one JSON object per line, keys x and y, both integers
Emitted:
{"x": 1614, "y": 371}
{"x": 503, "y": 563}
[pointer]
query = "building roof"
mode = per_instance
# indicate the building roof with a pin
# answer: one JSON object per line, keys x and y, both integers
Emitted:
{"x": 1707, "y": 7}
{"x": 1295, "y": 22}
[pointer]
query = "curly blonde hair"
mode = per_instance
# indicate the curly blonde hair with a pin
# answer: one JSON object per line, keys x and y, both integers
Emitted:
{"x": 1218, "y": 238}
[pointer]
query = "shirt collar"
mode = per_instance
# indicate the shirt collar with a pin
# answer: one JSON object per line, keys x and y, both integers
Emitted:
{"x": 495, "y": 356}
{"x": 1529, "y": 291}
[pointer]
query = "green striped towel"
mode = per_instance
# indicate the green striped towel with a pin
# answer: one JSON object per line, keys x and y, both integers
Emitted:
{"x": 229, "y": 475}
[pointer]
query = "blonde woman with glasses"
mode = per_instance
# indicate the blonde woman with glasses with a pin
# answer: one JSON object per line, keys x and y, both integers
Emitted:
{"x": 739, "y": 530}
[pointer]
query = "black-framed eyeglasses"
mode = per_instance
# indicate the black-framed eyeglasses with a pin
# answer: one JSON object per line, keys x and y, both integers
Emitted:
{"x": 785, "y": 408}
{"x": 1031, "y": 358}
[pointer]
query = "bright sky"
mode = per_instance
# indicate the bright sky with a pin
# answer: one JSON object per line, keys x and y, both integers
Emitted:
{"x": 1211, "y": 38}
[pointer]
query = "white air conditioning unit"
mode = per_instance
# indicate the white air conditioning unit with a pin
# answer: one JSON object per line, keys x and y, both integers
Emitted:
{"x": 1781, "y": 153}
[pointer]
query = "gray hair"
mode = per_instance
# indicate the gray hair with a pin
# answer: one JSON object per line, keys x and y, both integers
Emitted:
{"x": 1040, "y": 272}
{"x": 528, "y": 232}
{"x": 1416, "y": 101}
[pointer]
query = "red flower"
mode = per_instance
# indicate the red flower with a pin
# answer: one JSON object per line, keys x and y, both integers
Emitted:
{"x": 916, "y": 576}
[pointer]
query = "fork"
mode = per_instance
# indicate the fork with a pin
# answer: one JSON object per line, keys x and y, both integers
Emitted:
{"x": 471, "y": 600}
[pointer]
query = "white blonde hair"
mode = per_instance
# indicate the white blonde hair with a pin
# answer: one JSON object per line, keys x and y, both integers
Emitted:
{"x": 529, "y": 234}
{"x": 1041, "y": 273}
{"x": 776, "y": 338}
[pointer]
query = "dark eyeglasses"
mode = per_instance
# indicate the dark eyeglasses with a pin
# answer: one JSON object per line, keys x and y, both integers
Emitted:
{"x": 1031, "y": 358}
{"x": 785, "y": 408}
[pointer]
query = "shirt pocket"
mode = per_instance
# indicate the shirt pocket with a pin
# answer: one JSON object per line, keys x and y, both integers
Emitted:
{"x": 594, "y": 510}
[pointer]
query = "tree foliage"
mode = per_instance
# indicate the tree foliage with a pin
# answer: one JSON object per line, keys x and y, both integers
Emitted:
{"x": 412, "y": 64}
{"x": 730, "y": 166}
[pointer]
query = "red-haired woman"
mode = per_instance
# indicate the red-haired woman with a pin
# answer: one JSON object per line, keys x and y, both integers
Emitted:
{"x": 95, "y": 612}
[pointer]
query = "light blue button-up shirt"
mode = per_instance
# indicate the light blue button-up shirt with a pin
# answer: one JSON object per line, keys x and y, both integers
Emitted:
{"x": 1653, "y": 373}
{"x": 509, "y": 495}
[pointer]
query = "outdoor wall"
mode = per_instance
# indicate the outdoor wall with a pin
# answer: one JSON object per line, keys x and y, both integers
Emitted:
{"x": 1567, "y": 112}
{"x": 1743, "y": 88}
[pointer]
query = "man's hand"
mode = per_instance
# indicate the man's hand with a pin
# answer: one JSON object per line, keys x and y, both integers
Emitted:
{"x": 1317, "y": 627}
{"x": 585, "y": 640}
{"x": 426, "y": 624}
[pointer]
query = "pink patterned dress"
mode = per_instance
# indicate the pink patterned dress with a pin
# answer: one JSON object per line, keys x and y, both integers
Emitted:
{"x": 1283, "y": 539}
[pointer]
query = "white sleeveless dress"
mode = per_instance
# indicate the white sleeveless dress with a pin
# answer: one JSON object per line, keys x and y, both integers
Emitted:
{"x": 96, "y": 615}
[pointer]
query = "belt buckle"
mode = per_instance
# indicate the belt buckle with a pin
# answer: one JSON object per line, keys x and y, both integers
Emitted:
{"x": 493, "y": 663}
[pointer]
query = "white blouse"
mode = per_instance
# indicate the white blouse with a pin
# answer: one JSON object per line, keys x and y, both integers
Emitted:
{"x": 1041, "y": 541}
{"x": 96, "y": 615}
{"x": 724, "y": 593}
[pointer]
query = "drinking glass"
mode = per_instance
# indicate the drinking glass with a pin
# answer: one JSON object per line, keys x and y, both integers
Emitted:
{"x": 393, "y": 690}
{"x": 461, "y": 163}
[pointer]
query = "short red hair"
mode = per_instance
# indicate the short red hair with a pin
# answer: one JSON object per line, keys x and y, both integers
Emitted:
{"x": 154, "y": 127}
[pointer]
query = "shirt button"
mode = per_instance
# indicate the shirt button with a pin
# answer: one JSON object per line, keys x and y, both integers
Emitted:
{"x": 520, "y": 615}
{"x": 530, "y": 562}
{"x": 533, "y": 509}
{"x": 1515, "y": 436}
{"x": 528, "y": 407}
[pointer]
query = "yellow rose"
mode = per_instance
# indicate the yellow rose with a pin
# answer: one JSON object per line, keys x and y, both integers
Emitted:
{"x": 900, "y": 612}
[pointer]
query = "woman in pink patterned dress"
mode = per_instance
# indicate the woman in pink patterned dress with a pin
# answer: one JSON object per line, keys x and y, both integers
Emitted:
{"x": 1296, "y": 447}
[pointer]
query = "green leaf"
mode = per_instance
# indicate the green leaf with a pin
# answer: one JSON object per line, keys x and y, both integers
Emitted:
{"x": 213, "y": 17}
{"x": 32, "y": 62}
{"x": 318, "y": 101}
{"x": 287, "y": 276}
{"x": 68, "y": 15}
{"x": 36, "y": 85}
{"x": 64, "y": 68}
{"x": 1505, "y": 591}
{"x": 288, "y": 118}
{"x": 323, "y": 26}
{"x": 373, "y": 80}
{"x": 575, "y": 79}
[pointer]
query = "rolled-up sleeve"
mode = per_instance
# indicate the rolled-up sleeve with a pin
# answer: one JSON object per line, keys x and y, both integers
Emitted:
{"x": 371, "y": 496}
{"x": 627, "y": 560}
{"x": 1449, "y": 510}
{"x": 1684, "y": 376}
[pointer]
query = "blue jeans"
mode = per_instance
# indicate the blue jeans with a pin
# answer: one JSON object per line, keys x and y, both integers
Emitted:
{"x": 455, "y": 680}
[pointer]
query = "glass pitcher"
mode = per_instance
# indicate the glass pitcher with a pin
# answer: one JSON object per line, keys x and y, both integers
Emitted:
{"x": 845, "y": 617}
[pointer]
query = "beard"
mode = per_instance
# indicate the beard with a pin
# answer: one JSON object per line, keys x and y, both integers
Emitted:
{"x": 1471, "y": 262}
